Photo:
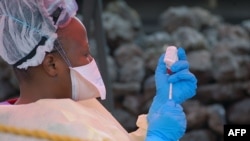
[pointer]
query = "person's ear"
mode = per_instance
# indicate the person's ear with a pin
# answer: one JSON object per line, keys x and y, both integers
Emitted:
{"x": 49, "y": 65}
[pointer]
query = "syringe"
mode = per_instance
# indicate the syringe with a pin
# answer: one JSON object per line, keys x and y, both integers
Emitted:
{"x": 170, "y": 58}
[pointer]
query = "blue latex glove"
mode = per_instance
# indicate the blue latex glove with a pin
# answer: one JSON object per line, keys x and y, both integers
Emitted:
{"x": 168, "y": 123}
{"x": 183, "y": 81}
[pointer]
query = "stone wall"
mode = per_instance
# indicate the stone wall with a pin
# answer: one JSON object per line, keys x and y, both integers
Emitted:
{"x": 219, "y": 56}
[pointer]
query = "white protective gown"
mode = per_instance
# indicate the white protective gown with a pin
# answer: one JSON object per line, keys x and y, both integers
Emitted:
{"x": 87, "y": 120}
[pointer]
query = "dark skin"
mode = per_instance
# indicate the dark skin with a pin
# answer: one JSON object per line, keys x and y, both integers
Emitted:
{"x": 51, "y": 79}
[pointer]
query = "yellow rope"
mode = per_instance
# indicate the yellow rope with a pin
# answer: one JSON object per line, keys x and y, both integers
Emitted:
{"x": 39, "y": 134}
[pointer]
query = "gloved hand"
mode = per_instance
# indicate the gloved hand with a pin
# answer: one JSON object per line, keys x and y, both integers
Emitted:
{"x": 183, "y": 81}
{"x": 168, "y": 123}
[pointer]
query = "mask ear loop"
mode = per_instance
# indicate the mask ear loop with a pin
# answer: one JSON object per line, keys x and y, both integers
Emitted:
{"x": 89, "y": 60}
{"x": 57, "y": 45}
{"x": 62, "y": 53}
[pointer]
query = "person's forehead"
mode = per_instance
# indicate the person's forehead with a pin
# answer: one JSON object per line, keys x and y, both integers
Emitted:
{"x": 74, "y": 24}
{"x": 73, "y": 39}
{"x": 75, "y": 32}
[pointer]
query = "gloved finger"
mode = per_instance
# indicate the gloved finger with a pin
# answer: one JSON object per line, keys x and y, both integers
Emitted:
{"x": 179, "y": 65}
{"x": 161, "y": 79}
{"x": 183, "y": 75}
{"x": 160, "y": 73}
{"x": 179, "y": 95}
{"x": 161, "y": 66}
{"x": 184, "y": 86}
{"x": 181, "y": 54}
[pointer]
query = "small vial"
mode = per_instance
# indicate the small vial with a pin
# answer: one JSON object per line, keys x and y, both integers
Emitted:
{"x": 170, "y": 57}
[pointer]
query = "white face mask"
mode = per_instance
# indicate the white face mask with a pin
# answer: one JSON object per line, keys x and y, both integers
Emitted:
{"x": 87, "y": 82}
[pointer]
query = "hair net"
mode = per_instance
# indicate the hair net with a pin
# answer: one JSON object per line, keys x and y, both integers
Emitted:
{"x": 28, "y": 28}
